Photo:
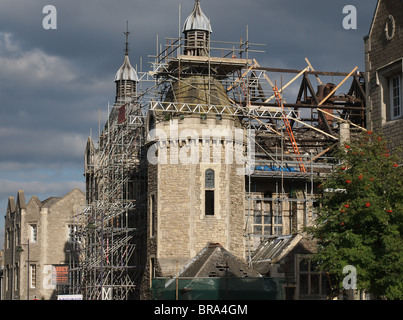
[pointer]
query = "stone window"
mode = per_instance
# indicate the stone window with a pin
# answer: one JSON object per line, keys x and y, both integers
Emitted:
{"x": 7, "y": 277}
{"x": 152, "y": 270}
{"x": 266, "y": 221}
{"x": 32, "y": 278}
{"x": 310, "y": 282}
{"x": 18, "y": 234}
{"x": 34, "y": 233}
{"x": 209, "y": 192}
{"x": 262, "y": 220}
{"x": 8, "y": 238}
{"x": 153, "y": 213}
{"x": 74, "y": 235}
{"x": 389, "y": 79}
{"x": 17, "y": 277}
{"x": 396, "y": 96}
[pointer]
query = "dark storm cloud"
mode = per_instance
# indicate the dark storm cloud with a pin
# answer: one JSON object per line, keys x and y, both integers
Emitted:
{"x": 53, "y": 83}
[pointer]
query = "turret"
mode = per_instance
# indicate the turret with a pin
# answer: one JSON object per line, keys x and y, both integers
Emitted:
{"x": 126, "y": 79}
{"x": 197, "y": 30}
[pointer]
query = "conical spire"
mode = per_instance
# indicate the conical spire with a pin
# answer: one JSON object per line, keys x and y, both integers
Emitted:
{"x": 126, "y": 77}
{"x": 197, "y": 20}
{"x": 126, "y": 71}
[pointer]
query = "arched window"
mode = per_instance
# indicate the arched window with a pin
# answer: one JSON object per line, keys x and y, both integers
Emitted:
{"x": 209, "y": 189}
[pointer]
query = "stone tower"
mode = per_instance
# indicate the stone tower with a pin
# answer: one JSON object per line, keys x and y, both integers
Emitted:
{"x": 195, "y": 186}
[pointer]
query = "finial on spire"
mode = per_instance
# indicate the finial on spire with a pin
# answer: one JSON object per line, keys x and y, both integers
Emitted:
{"x": 127, "y": 38}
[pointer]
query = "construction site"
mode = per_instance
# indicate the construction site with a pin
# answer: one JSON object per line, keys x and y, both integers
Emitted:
{"x": 154, "y": 210}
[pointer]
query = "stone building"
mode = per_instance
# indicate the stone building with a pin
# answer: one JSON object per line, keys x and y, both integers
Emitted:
{"x": 196, "y": 194}
{"x": 204, "y": 206}
{"x": 178, "y": 168}
{"x": 36, "y": 246}
{"x": 384, "y": 69}
{"x": 1, "y": 273}
{"x": 289, "y": 257}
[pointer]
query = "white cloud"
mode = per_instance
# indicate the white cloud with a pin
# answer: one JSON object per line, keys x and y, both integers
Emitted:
{"x": 33, "y": 67}
{"x": 41, "y": 145}
{"x": 50, "y": 83}
{"x": 36, "y": 73}
{"x": 9, "y": 188}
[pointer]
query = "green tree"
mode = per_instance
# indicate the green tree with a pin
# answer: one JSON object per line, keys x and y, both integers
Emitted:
{"x": 360, "y": 221}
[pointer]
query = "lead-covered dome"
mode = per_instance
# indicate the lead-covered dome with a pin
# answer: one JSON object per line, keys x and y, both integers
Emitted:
{"x": 126, "y": 71}
{"x": 197, "y": 20}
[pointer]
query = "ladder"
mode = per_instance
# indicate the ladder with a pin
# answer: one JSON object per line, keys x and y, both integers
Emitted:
{"x": 289, "y": 129}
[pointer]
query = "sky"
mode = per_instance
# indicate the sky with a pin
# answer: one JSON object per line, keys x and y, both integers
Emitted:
{"x": 54, "y": 82}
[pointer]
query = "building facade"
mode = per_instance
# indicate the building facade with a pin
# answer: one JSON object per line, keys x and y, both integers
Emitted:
{"x": 1, "y": 273}
{"x": 193, "y": 192}
{"x": 205, "y": 154}
{"x": 384, "y": 70}
{"x": 37, "y": 245}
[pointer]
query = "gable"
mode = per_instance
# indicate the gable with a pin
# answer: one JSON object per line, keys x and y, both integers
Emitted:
{"x": 21, "y": 199}
{"x": 387, "y": 23}
{"x": 215, "y": 261}
{"x": 374, "y": 18}
{"x": 70, "y": 202}
{"x": 33, "y": 203}
{"x": 10, "y": 205}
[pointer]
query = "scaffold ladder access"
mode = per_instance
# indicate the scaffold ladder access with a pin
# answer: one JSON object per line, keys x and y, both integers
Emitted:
{"x": 289, "y": 129}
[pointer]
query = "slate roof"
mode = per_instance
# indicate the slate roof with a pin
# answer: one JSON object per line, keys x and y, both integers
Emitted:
{"x": 47, "y": 203}
{"x": 215, "y": 261}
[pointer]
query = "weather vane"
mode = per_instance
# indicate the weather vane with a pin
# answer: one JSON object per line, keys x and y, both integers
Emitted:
{"x": 127, "y": 38}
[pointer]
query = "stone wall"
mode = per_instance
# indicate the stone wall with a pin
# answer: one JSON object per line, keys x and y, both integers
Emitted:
{"x": 182, "y": 228}
{"x": 52, "y": 219}
{"x": 383, "y": 57}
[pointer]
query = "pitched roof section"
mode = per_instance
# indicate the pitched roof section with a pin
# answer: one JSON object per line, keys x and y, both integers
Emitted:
{"x": 215, "y": 261}
{"x": 21, "y": 199}
{"x": 36, "y": 200}
{"x": 53, "y": 200}
{"x": 11, "y": 205}
{"x": 47, "y": 203}
{"x": 272, "y": 250}
{"x": 373, "y": 19}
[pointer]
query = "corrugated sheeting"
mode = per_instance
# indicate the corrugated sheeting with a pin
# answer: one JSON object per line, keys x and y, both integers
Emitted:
{"x": 272, "y": 250}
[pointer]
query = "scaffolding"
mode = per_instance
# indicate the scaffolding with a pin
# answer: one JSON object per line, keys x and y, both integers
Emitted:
{"x": 294, "y": 141}
{"x": 108, "y": 257}
{"x": 106, "y": 263}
